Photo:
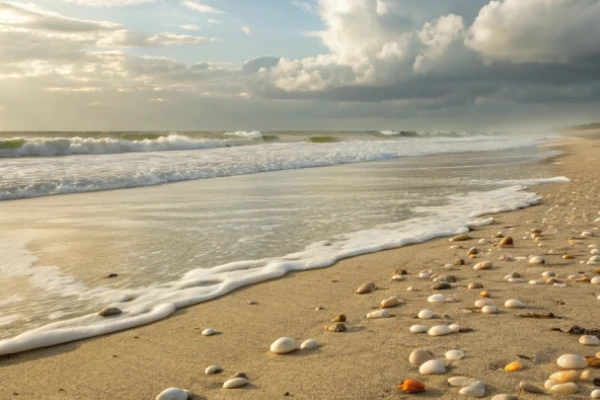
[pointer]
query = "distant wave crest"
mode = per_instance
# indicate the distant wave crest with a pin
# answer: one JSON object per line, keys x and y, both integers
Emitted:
{"x": 245, "y": 134}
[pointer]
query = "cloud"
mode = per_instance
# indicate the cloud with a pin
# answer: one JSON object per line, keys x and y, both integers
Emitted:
{"x": 192, "y": 5}
{"x": 110, "y": 3}
{"x": 190, "y": 27}
{"x": 258, "y": 63}
{"x": 304, "y": 6}
{"x": 214, "y": 21}
{"x": 246, "y": 30}
{"x": 124, "y": 38}
{"x": 157, "y": 100}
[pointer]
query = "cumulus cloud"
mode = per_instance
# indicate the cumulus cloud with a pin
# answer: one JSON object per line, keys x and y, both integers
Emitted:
{"x": 193, "y": 5}
{"x": 190, "y": 27}
{"x": 246, "y": 29}
{"x": 303, "y": 5}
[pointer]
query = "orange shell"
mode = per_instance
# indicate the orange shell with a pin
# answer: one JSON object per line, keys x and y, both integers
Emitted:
{"x": 513, "y": 367}
{"x": 484, "y": 293}
{"x": 411, "y": 386}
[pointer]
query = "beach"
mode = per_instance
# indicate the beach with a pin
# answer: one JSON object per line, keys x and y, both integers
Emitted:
{"x": 371, "y": 357}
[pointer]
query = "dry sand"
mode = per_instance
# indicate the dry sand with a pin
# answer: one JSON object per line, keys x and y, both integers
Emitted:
{"x": 371, "y": 358}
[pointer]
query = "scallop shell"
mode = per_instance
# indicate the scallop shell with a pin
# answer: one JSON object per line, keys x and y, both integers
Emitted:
{"x": 565, "y": 388}
{"x": 426, "y": 314}
{"x": 454, "y": 355}
{"x": 213, "y": 369}
{"x": 420, "y": 356}
{"x": 309, "y": 344}
{"x": 411, "y": 386}
{"x": 513, "y": 303}
{"x": 208, "y": 332}
{"x": 571, "y": 361}
{"x": 432, "y": 367}
{"x": 235, "y": 383}
{"x": 366, "y": 288}
{"x": 537, "y": 260}
{"x": 436, "y": 298}
{"x": 173, "y": 394}
{"x": 589, "y": 340}
{"x": 418, "y": 329}
{"x": 284, "y": 345}
{"x": 439, "y": 330}
{"x": 378, "y": 314}
{"x": 390, "y": 302}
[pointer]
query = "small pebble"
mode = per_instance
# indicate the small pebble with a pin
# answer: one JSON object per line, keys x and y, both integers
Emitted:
{"x": 528, "y": 387}
{"x": 213, "y": 369}
{"x": 235, "y": 383}
{"x": 309, "y": 344}
{"x": 420, "y": 356}
{"x": 109, "y": 312}
{"x": 208, "y": 332}
{"x": 418, "y": 329}
{"x": 432, "y": 367}
{"x": 173, "y": 394}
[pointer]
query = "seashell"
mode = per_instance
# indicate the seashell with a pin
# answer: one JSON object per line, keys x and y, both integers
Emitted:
{"x": 504, "y": 397}
{"x": 551, "y": 281}
{"x": 436, "y": 298}
{"x": 473, "y": 251}
{"x": 412, "y": 289}
{"x": 426, "y": 314}
{"x": 489, "y": 309}
{"x": 454, "y": 355}
{"x": 109, "y": 312}
{"x": 411, "y": 386}
{"x": 586, "y": 234}
{"x": 339, "y": 318}
{"x": 460, "y": 381}
{"x": 425, "y": 274}
{"x": 595, "y": 280}
{"x": 390, "y": 302}
{"x": 595, "y": 394}
{"x": 420, "y": 356}
{"x": 571, "y": 361}
{"x": 461, "y": 238}
{"x": 173, "y": 394}
{"x": 398, "y": 277}
{"x": 475, "y": 285}
{"x": 448, "y": 266}
{"x": 475, "y": 390}
{"x": 537, "y": 282}
{"x": 213, "y": 369}
{"x": 284, "y": 345}
{"x": 568, "y": 257}
{"x": 512, "y": 275}
{"x": 537, "y": 260}
{"x": 593, "y": 362}
{"x": 235, "y": 383}
{"x": 484, "y": 293}
{"x": 208, "y": 332}
{"x": 366, "y": 288}
{"x": 549, "y": 383}
{"x": 239, "y": 375}
{"x": 483, "y": 241}
{"x": 506, "y": 242}
{"x": 589, "y": 340}
{"x": 594, "y": 260}
{"x": 483, "y": 302}
{"x": 439, "y": 330}
{"x": 432, "y": 367}
{"x": 339, "y": 327}
{"x": 309, "y": 344}
{"x": 506, "y": 258}
{"x": 513, "y": 303}
{"x": 595, "y": 252}
{"x": 441, "y": 286}
{"x": 378, "y": 314}
{"x": 565, "y": 376}
{"x": 516, "y": 280}
{"x": 513, "y": 367}
{"x": 565, "y": 388}
{"x": 547, "y": 274}
{"x": 584, "y": 279}
{"x": 483, "y": 265}
{"x": 400, "y": 272}
{"x": 536, "y": 230}
{"x": 455, "y": 328}
{"x": 528, "y": 387}
{"x": 585, "y": 375}
{"x": 319, "y": 308}
{"x": 459, "y": 261}
{"x": 418, "y": 329}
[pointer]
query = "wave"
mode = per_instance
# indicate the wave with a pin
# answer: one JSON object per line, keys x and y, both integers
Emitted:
{"x": 245, "y": 134}
{"x": 63, "y": 146}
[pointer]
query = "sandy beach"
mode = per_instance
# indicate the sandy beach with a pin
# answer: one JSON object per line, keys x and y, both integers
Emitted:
{"x": 371, "y": 357}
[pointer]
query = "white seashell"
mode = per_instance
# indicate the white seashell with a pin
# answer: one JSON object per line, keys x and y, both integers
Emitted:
{"x": 378, "y": 314}
{"x": 483, "y": 241}
{"x": 565, "y": 388}
{"x": 564, "y": 376}
{"x": 516, "y": 280}
{"x": 595, "y": 394}
{"x": 475, "y": 390}
{"x": 460, "y": 381}
{"x": 436, "y": 298}
{"x": 420, "y": 356}
{"x": 439, "y": 330}
{"x": 490, "y": 309}
{"x": 208, "y": 332}
{"x": 398, "y": 277}
{"x": 426, "y": 314}
{"x": 589, "y": 340}
{"x": 595, "y": 280}
{"x": 594, "y": 260}
{"x": 284, "y": 345}
{"x": 547, "y": 274}
{"x": 213, "y": 369}
{"x": 585, "y": 375}
{"x": 586, "y": 234}
{"x": 512, "y": 275}
{"x": 425, "y": 274}
{"x": 571, "y": 361}
{"x": 309, "y": 344}
{"x": 483, "y": 265}
{"x": 504, "y": 396}
{"x": 412, "y": 289}
{"x": 549, "y": 383}
{"x": 483, "y": 302}
{"x": 537, "y": 282}
{"x": 537, "y": 260}
{"x": 235, "y": 383}
{"x": 513, "y": 303}
{"x": 454, "y": 355}
{"x": 390, "y": 302}
{"x": 455, "y": 328}
{"x": 595, "y": 251}
{"x": 432, "y": 367}
{"x": 173, "y": 394}
{"x": 418, "y": 329}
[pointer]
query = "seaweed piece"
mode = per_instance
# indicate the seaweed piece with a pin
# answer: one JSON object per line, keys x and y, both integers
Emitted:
{"x": 523, "y": 357}
{"x": 578, "y": 330}
{"x": 540, "y": 316}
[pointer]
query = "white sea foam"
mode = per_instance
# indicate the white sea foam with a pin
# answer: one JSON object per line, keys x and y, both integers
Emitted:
{"x": 245, "y": 134}
{"x": 389, "y": 133}
{"x": 23, "y": 178}
{"x": 148, "y": 304}
{"x": 63, "y": 146}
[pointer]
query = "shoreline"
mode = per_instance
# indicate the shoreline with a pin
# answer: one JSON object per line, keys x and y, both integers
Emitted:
{"x": 173, "y": 353}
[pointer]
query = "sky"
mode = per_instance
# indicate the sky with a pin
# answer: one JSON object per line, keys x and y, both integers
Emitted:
{"x": 298, "y": 64}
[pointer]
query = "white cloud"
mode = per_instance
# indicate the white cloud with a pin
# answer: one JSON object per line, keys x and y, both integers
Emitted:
{"x": 537, "y": 30}
{"x": 200, "y": 7}
{"x": 157, "y": 100}
{"x": 190, "y": 27}
{"x": 246, "y": 29}
{"x": 73, "y": 89}
{"x": 304, "y": 6}
{"x": 110, "y": 3}
{"x": 214, "y": 21}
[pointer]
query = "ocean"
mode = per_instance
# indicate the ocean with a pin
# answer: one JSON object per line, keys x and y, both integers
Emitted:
{"x": 186, "y": 217}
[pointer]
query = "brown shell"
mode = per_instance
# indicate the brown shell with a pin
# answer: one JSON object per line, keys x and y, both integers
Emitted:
{"x": 411, "y": 386}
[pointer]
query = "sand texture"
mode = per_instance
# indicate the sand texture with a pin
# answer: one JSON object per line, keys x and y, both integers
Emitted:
{"x": 371, "y": 357}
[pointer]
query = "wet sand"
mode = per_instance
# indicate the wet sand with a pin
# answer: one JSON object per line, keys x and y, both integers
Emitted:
{"x": 371, "y": 357}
